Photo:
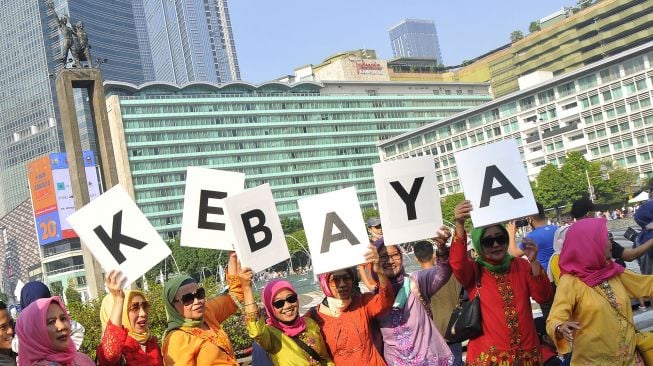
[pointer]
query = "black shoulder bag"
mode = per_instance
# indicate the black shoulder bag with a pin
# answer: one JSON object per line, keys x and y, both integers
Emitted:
{"x": 465, "y": 322}
{"x": 311, "y": 352}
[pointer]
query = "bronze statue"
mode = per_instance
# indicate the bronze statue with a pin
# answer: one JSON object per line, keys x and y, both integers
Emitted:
{"x": 75, "y": 41}
{"x": 83, "y": 48}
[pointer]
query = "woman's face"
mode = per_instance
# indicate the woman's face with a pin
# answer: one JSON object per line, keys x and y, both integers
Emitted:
{"x": 139, "y": 310}
{"x": 289, "y": 305}
{"x": 340, "y": 283}
{"x": 193, "y": 309}
{"x": 494, "y": 244}
{"x": 58, "y": 326}
{"x": 391, "y": 260}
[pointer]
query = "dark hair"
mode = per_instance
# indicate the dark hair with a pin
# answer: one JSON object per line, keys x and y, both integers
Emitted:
{"x": 3, "y": 306}
{"x": 581, "y": 207}
{"x": 540, "y": 211}
{"x": 423, "y": 251}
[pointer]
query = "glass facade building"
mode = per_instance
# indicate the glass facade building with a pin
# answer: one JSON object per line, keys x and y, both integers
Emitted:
{"x": 304, "y": 138}
{"x": 191, "y": 40}
{"x": 415, "y": 38}
{"x": 602, "y": 110}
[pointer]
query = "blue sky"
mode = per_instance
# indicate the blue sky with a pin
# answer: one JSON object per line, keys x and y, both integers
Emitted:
{"x": 275, "y": 36}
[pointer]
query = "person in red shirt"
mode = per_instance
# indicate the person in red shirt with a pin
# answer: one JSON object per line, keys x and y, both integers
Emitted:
{"x": 126, "y": 339}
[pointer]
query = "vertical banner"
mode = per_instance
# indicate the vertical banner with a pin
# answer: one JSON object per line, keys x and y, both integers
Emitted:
{"x": 495, "y": 182}
{"x": 409, "y": 201}
{"x": 204, "y": 222}
{"x": 335, "y": 230}
{"x": 118, "y": 234}
{"x": 259, "y": 238}
{"x": 52, "y": 195}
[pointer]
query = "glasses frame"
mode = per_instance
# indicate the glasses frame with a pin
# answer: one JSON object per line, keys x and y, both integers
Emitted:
{"x": 500, "y": 239}
{"x": 290, "y": 299}
{"x": 189, "y": 298}
{"x": 137, "y": 306}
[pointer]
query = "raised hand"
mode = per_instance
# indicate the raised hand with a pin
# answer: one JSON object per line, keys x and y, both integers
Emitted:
{"x": 441, "y": 238}
{"x": 246, "y": 275}
{"x": 115, "y": 282}
{"x": 530, "y": 249}
{"x": 233, "y": 267}
{"x": 372, "y": 256}
{"x": 462, "y": 210}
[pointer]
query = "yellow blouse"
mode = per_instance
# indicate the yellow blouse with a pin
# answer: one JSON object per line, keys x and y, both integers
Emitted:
{"x": 282, "y": 349}
{"x": 605, "y": 338}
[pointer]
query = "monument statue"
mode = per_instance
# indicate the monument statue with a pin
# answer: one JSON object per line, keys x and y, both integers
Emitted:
{"x": 73, "y": 40}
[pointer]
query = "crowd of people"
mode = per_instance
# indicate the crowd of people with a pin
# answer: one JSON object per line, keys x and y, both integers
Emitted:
{"x": 570, "y": 271}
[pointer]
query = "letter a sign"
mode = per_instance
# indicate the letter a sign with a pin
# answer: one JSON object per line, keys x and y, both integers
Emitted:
{"x": 495, "y": 181}
{"x": 260, "y": 242}
{"x": 335, "y": 230}
{"x": 118, "y": 234}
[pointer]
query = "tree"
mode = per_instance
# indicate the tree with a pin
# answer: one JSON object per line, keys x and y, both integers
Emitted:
{"x": 516, "y": 36}
{"x": 298, "y": 243}
{"x": 574, "y": 184}
{"x": 370, "y": 212}
{"x": 534, "y": 26}
{"x": 291, "y": 224}
{"x": 549, "y": 187}
{"x": 583, "y": 4}
{"x": 448, "y": 204}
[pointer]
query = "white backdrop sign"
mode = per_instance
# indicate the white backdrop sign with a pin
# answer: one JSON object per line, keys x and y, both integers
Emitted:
{"x": 409, "y": 201}
{"x": 335, "y": 230}
{"x": 260, "y": 241}
{"x": 204, "y": 222}
{"x": 118, "y": 234}
{"x": 494, "y": 180}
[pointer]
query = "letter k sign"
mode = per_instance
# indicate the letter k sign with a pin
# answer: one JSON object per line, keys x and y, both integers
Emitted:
{"x": 113, "y": 243}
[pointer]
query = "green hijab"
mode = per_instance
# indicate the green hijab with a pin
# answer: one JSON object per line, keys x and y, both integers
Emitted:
{"x": 477, "y": 234}
{"x": 176, "y": 320}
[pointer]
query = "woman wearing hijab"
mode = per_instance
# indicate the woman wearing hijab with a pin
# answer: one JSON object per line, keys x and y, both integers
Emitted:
{"x": 194, "y": 335}
{"x": 506, "y": 287}
{"x": 287, "y": 337}
{"x": 35, "y": 290}
{"x": 44, "y": 331}
{"x": 345, "y": 317}
{"x": 126, "y": 339}
{"x": 592, "y": 304}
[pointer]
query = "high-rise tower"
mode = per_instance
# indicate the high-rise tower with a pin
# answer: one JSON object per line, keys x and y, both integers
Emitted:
{"x": 415, "y": 38}
{"x": 191, "y": 40}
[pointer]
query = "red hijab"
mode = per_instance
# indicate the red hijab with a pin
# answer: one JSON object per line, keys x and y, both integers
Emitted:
{"x": 271, "y": 289}
{"x": 583, "y": 253}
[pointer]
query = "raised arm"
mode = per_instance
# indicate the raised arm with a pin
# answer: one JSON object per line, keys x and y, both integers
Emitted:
{"x": 254, "y": 323}
{"x": 630, "y": 254}
{"x": 110, "y": 349}
{"x": 513, "y": 249}
{"x": 221, "y": 307}
{"x": 383, "y": 300}
{"x": 463, "y": 267}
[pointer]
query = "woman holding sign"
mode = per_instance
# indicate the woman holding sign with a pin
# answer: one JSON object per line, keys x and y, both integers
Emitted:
{"x": 345, "y": 318}
{"x": 287, "y": 337}
{"x": 194, "y": 336}
{"x": 506, "y": 286}
{"x": 124, "y": 316}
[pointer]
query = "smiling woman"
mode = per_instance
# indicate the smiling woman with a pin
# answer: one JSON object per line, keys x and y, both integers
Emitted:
{"x": 194, "y": 335}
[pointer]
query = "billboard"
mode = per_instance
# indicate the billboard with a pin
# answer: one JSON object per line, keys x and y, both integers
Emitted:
{"x": 52, "y": 194}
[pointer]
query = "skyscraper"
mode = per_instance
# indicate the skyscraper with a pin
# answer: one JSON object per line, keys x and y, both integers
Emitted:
{"x": 29, "y": 60}
{"x": 415, "y": 38}
{"x": 191, "y": 40}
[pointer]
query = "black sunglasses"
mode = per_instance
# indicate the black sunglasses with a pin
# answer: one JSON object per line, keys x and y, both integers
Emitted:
{"x": 290, "y": 300}
{"x": 488, "y": 241}
{"x": 188, "y": 298}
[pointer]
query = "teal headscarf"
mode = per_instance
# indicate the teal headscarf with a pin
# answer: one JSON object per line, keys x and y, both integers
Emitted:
{"x": 176, "y": 320}
{"x": 477, "y": 234}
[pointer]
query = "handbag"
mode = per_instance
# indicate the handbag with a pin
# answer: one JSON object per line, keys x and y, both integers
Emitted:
{"x": 465, "y": 322}
{"x": 643, "y": 340}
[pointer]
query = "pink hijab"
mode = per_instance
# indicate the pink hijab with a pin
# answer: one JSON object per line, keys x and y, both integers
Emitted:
{"x": 35, "y": 344}
{"x": 270, "y": 290}
{"x": 583, "y": 253}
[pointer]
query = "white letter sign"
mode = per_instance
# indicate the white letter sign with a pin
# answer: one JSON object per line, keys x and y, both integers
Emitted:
{"x": 118, "y": 234}
{"x": 495, "y": 182}
{"x": 335, "y": 230}
{"x": 204, "y": 222}
{"x": 409, "y": 201}
{"x": 260, "y": 242}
